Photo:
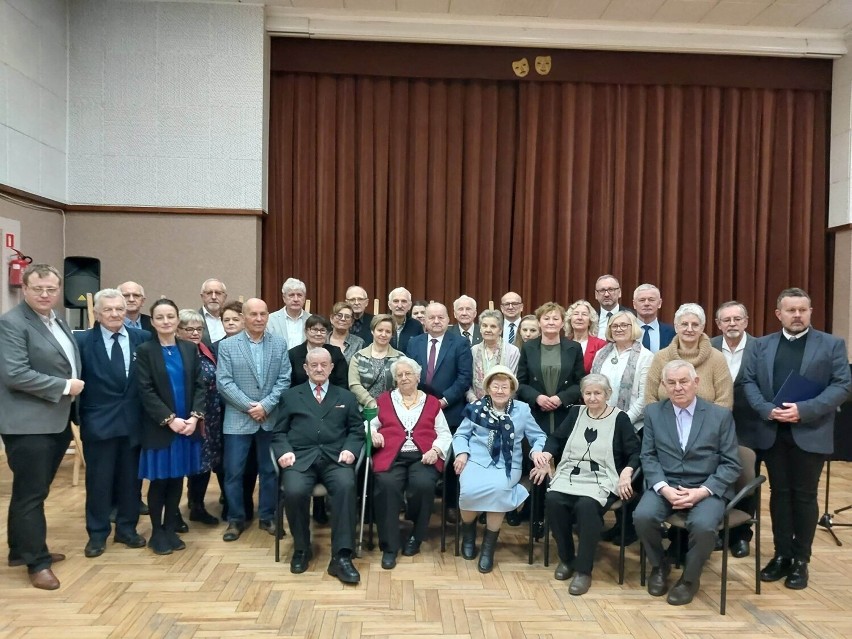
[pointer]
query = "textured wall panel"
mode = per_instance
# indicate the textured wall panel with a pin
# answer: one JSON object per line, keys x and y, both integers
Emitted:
{"x": 170, "y": 96}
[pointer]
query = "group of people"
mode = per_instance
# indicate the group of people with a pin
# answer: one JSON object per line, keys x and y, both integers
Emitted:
{"x": 576, "y": 399}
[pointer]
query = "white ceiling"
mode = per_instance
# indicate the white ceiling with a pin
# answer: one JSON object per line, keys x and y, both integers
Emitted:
{"x": 835, "y": 15}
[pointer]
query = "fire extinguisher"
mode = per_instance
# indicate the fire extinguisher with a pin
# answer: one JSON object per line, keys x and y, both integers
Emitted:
{"x": 16, "y": 269}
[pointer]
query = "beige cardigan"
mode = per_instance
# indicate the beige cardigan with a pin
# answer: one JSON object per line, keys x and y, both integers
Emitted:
{"x": 714, "y": 378}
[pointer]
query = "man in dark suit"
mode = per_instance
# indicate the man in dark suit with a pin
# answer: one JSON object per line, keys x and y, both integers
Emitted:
{"x": 317, "y": 439}
{"x": 647, "y": 302}
{"x": 736, "y": 345}
{"x": 110, "y": 412}
{"x": 214, "y": 294}
{"x": 797, "y": 436}
{"x": 608, "y": 294}
{"x": 446, "y": 361}
{"x": 464, "y": 310}
{"x": 690, "y": 460}
{"x": 357, "y": 298}
{"x": 405, "y": 327}
{"x": 39, "y": 378}
{"x": 134, "y": 295}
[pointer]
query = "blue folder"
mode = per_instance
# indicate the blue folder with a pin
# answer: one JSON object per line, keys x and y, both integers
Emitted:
{"x": 797, "y": 388}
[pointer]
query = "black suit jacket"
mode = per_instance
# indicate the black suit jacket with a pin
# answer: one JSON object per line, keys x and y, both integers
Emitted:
{"x": 155, "y": 390}
{"x": 410, "y": 329}
{"x": 310, "y": 429}
{"x": 531, "y": 383}
{"x": 109, "y": 406}
{"x": 361, "y": 328}
{"x": 339, "y": 373}
{"x": 474, "y": 330}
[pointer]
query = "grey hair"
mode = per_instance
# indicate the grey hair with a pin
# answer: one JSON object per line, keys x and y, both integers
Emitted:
{"x": 493, "y": 314}
{"x": 399, "y": 289}
{"x": 677, "y": 364}
{"x": 732, "y": 304}
{"x": 292, "y": 284}
{"x": 108, "y": 293}
{"x": 214, "y": 279}
{"x": 690, "y": 308}
{"x": 187, "y": 315}
{"x": 414, "y": 366}
{"x": 596, "y": 379}
{"x": 463, "y": 298}
{"x": 646, "y": 287}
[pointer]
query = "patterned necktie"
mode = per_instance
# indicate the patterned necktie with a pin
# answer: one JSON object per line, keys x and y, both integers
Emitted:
{"x": 430, "y": 365}
{"x": 318, "y": 393}
{"x": 646, "y": 338}
{"x": 512, "y": 333}
{"x": 466, "y": 335}
{"x": 681, "y": 428}
{"x": 116, "y": 357}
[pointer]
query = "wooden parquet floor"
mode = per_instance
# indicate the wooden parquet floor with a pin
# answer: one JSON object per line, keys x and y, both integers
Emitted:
{"x": 215, "y": 589}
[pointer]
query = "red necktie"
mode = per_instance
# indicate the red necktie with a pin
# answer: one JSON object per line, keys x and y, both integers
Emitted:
{"x": 430, "y": 365}
{"x": 318, "y": 393}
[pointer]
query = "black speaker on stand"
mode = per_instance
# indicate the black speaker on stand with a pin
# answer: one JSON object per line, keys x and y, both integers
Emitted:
{"x": 842, "y": 452}
{"x": 82, "y": 275}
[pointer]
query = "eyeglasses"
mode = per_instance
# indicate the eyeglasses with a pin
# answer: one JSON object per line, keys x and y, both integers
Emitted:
{"x": 343, "y": 317}
{"x": 317, "y": 330}
{"x": 607, "y": 291}
{"x": 41, "y": 290}
{"x": 731, "y": 320}
{"x": 693, "y": 325}
{"x": 192, "y": 329}
{"x": 619, "y": 327}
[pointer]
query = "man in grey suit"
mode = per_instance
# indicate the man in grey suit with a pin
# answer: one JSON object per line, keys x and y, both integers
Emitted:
{"x": 317, "y": 439}
{"x": 252, "y": 372}
{"x": 797, "y": 436}
{"x": 689, "y": 457}
{"x": 39, "y": 378}
{"x": 737, "y": 345}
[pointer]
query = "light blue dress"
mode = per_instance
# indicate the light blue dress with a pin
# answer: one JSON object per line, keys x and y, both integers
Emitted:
{"x": 483, "y": 484}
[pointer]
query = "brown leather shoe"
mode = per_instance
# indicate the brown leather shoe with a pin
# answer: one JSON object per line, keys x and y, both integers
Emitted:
{"x": 54, "y": 557}
{"x": 44, "y": 579}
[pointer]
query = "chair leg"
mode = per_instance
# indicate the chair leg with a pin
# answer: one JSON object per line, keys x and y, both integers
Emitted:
{"x": 546, "y": 541}
{"x": 531, "y": 541}
{"x": 621, "y": 545}
{"x": 279, "y": 523}
{"x": 444, "y": 511}
{"x": 723, "y": 599}
{"x": 641, "y": 564}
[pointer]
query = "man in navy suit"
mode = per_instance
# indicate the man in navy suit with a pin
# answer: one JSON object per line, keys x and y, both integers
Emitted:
{"x": 317, "y": 438}
{"x": 446, "y": 361}
{"x": 405, "y": 327}
{"x": 109, "y": 423}
{"x": 797, "y": 436}
{"x": 690, "y": 460}
{"x": 647, "y": 302}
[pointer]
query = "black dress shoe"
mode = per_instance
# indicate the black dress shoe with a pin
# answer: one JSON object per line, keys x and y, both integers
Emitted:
{"x": 798, "y": 577}
{"x": 95, "y": 548}
{"x": 299, "y": 561}
{"x": 682, "y": 593}
{"x": 143, "y": 509}
{"x": 658, "y": 580}
{"x": 563, "y": 571}
{"x": 411, "y": 548}
{"x": 513, "y": 517}
{"x": 388, "y": 560}
{"x": 202, "y": 516}
{"x": 233, "y": 532}
{"x": 739, "y": 549}
{"x": 180, "y": 525}
{"x": 612, "y": 534}
{"x": 134, "y": 540}
{"x": 175, "y": 542}
{"x": 342, "y": 568}
{"x": 269, "y": 526}
{"x": 54, "y": 557}
{"x": 159, "y": 543}
{"x": 777, "y": 568}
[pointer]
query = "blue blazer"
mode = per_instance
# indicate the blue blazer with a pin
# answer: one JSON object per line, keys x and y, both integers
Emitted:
{"x": 109, "y": 407}
{"x": 667, "y": 333}
{"x": 453, "y": 371}
{"x": 824, "y": 362}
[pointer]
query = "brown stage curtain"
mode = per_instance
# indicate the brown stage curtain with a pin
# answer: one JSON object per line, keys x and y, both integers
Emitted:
{"x": 451, "y": 186}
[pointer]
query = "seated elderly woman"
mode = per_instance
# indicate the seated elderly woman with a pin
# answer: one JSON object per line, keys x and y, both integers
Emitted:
{"x": 597, "y": 451}
{"x": 488, "y": 453}
{"x": 491, "y": 351}
{"x": 411, "y": 439}
{"x": 581, "y": 325}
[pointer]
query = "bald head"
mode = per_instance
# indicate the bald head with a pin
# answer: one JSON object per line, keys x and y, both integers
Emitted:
{"x": 255, "y": 316}
{"x": 134, "y": 296}
{"x": 437, "y": 319}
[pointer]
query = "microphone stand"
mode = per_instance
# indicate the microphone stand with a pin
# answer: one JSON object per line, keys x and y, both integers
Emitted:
{"x": 826, "y": 521}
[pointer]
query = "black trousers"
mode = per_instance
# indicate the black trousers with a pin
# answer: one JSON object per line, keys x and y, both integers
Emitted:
{"x": 563, "y": 511}
{"x": 112, "y": 467}
{"x": 410, "y": 479}
{"x": 33, "y": 460}
{"x": 339, "y": 480}
{"x": 793, "y": 483}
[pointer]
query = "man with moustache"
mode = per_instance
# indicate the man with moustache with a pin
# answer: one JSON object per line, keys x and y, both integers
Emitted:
{"x": 405, "y": 327}
{"x": 39, "y": 379}
{"x": 797, "y": 436}
{"x": 252, "y": 372}
{"x": 647, "y": 302}
{"x": 608, "y": 294}
{"x": 213, "y": 298}
{"x": 134, "y": 295}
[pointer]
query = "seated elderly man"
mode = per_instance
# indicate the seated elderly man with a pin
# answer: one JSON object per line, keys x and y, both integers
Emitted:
{"x": 689, "y": 456}
{"x": 316, "y": 439}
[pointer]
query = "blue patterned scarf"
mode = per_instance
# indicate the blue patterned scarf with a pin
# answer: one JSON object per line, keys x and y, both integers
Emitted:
{"x": 502, "y": 435}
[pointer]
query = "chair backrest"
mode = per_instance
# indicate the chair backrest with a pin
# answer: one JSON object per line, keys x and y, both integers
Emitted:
{"x": 747, "y": 458}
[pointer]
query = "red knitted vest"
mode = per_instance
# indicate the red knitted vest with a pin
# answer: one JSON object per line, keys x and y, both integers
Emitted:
{"x": 394, "y": 432}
